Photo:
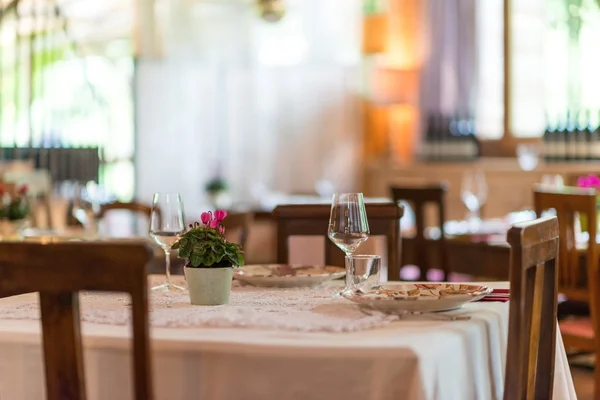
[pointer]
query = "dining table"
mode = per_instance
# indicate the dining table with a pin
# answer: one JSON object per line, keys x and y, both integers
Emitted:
{"x": 275, "y": 343}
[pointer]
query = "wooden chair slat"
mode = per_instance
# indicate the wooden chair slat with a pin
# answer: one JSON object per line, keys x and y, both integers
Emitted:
{"x": 59, "y": 271}
{"x": 533, "y": 292}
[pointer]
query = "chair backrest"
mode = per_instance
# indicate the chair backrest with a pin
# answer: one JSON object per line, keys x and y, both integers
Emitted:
{"x": 237, "y": 227}
{"x": 313, "y": 220}
{"x": 131, "y": 206}
{"x": 418, "y": 197}
{"x": 533, "y": 305}
{"x": 58, "y": 271}
{"x": 577, "y": 283}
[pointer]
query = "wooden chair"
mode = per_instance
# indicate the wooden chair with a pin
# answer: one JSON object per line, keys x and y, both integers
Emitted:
{"x": 58, "y": 272}
{"x": 313, "y": 220}
{"x": 577, "y": 283}
{"x": 134, "y": 207}
{"x": 418, "y": 197}
{"x": 532, "y": 316}
{"x": 237, "y": 227}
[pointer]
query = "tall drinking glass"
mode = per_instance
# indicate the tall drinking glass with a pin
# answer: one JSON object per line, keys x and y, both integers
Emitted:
{"x": 166, "y": 226}
{"x": 348, "y": 226}
{"x": 474, "y": 195}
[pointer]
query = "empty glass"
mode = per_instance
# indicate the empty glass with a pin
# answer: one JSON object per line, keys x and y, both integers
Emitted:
{"x": 166, "y": 226}
{"x": 348, "y": 225}
{"x": 363, "y": 272}
{"x": 474, "y": 195}
{"x": 528, "y": 156}
{"x": 86, "y": 206}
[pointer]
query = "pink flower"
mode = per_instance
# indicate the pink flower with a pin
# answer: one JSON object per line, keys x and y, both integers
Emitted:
{"x": 220, "y": 215}
{"x": 589, "y": 181}
{"x": 205, "y": 217}
{"x": 214, "y": 224}
{"x": 23, "y": 190}
{"x": 221, "y": 229}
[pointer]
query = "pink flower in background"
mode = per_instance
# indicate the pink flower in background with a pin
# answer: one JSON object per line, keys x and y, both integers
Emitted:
{"x": 589, "y": 181}
{"x": 220, "y": 215}
{"x": 205, "y": 217}
{"x": 23, "y": 190}
{"x": 214, "y": 224}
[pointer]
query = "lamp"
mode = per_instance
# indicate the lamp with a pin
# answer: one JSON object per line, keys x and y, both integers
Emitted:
{"x": 396, "y": 91}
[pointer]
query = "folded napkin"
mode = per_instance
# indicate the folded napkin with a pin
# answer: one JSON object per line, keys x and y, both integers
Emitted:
{"x": 502, "y": 295}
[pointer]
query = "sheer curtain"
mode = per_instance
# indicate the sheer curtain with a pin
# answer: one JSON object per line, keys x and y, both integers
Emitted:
{"x": 265, "y": 103}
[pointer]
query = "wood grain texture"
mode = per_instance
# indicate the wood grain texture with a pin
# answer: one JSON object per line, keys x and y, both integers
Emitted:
{"x": 533, "y": 307}
{"x": 419, "y": 197}
{"x": 579, "y": 284}
{"x": 58, "y": 271}
{"x": 313, "y": 220}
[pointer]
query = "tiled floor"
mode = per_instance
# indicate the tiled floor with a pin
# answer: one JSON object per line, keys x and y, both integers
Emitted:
{"x": 584, "y": 382}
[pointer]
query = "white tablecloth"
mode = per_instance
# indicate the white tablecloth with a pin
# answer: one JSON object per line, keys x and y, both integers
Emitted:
{"x": 409, "y": 359}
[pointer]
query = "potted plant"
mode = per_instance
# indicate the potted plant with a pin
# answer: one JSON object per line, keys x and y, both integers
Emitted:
{"x": 14, "y": 211}
{"x": 210, "y": 259}
{"x": 218, "y": 191}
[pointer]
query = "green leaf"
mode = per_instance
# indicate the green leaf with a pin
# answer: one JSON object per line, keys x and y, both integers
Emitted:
{"x": 195, "y": 260}
{"x": 240, "y": 259}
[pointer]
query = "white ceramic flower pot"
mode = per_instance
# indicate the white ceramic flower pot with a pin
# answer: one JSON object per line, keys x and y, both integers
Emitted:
{"x": 209, "y": 286}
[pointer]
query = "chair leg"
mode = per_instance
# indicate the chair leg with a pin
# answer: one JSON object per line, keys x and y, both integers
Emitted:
{"x": 597, "y": 376}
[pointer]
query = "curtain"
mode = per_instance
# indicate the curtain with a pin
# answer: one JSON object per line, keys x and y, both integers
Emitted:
{"x": 265, "y": 104}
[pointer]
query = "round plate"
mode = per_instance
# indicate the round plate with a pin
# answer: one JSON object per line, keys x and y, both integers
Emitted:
{"x": 409, "y": 297}
{"x": 282, "y": 275}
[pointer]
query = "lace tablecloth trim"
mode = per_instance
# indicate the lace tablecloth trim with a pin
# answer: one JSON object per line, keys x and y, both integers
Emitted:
{"x": 297, "y": 309}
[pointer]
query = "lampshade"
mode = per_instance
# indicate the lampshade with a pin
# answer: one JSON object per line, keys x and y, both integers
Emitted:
{"x": 375, "y": 31}
{"x": 394, "y": 86}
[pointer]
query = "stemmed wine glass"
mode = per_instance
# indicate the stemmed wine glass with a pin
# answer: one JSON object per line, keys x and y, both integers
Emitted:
{"x": 348, "y": 226}
{"x": 166, "y": 226}
{"x": 474, "y": 195}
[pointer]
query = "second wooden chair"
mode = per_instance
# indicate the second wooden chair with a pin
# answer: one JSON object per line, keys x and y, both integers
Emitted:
{"x": 418, "y": 198}
{"x": 313, "y": 220}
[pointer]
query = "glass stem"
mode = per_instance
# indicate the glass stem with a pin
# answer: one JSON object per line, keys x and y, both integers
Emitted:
{"x": 348, "y": 272}
{"x": 168, "y": 266}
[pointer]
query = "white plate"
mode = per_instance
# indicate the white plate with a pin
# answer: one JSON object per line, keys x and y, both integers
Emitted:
{"x": 283, "y": 275}
{"x": 409, "y": 297}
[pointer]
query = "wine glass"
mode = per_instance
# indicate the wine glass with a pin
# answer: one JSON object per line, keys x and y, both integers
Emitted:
{"x": 348, "y": 227}
{"x": 474, "y": 195}
{"x": 86, "y": 206}
{"x": 166, "y": 226}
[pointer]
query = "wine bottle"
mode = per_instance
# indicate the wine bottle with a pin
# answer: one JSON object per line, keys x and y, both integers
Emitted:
{"x": 546, "y": 142}
{"x": 426, "y": 150}
{"x": 595, "y": 146}
{"x": 560, "y": 148}
{"x": 570, "y": 135}
{"x": 583, "y": 121}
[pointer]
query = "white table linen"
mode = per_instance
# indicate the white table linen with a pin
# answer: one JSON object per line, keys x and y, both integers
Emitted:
{"x": 409, "y": 359}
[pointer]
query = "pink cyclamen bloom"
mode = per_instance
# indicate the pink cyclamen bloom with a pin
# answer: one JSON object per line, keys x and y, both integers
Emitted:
{"x": 214, "y": 224}
{"x": 220, "y": 215}
{"x": 589, "y": 181}
{"x": 205, "y": 218}
{"x": 222, "y": 229}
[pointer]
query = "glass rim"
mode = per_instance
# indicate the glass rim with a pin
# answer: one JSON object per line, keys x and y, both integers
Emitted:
{"x": 365, "y": 256}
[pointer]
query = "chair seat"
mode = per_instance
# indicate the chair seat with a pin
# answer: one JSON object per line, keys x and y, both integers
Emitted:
{"x": 581, "y": 327}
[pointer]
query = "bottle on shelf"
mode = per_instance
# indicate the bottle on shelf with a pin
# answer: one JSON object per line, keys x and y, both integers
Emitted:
{"x": 570, "y": 135}
{"x": 583, "y": 121}
{"x": 560, "y": 145}
{"x": 426, "y": 145}
{"x": 546, "y": 151}
{"x": 595, "y": 141}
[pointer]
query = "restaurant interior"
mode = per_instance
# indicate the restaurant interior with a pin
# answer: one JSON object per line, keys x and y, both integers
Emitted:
{"x": 299, "y": 199}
